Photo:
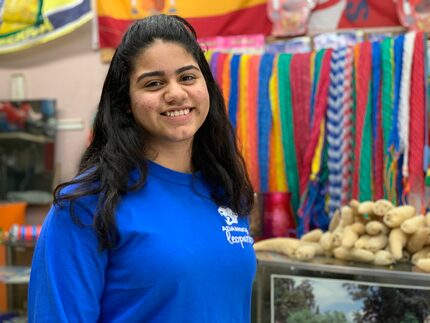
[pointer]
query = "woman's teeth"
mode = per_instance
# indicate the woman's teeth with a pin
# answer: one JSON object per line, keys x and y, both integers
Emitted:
{"x": 177, "y": 113}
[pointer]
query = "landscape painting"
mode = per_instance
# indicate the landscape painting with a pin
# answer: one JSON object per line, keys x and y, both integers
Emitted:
{"x": 297, "y": 299}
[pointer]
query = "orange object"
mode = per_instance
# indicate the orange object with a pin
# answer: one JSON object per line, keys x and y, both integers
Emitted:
{"x": 12, "y": 213}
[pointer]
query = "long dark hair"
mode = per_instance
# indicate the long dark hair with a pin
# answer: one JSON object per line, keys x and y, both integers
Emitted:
{"x": 118, "y": 144}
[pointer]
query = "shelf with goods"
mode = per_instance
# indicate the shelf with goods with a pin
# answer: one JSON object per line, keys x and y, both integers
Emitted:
{"x": 334, "y": 124}
{"x": 14, "y": 277}
{"x": 17, "y": 242}
{"x": 325, "y": 127}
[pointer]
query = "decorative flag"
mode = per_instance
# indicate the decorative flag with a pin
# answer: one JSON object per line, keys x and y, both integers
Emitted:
{"x": 25, "y": 23}
{"x": 209, "y": 18}
{"x": 331, "y": 15}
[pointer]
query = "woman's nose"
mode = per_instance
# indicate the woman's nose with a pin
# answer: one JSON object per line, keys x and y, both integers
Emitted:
{"x": 175, "y": 93}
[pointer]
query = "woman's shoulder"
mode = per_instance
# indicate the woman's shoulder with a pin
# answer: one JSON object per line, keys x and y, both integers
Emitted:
{"x": 78, "y": 194}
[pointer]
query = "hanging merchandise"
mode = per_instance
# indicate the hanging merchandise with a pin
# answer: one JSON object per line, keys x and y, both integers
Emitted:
{"x": 238, "y": 44}
{"x": 312, "y": 207}
{"x": 289, "y": 17}
{"x": 277, "y": 175}
{"x": 417, "y": 115}
{"x": 361, "y": 185}
{"x": 264, "y": 118}
{"x": 387, "y": 102}
{"x": 287, "y": 130}
{"x": 337, "y": 39}
{"x": 404, "y": 108}
{"x": 301, "y": 98}
{"x": 291, "y": 46}
{"x": 414, "y": 14}
{"x": 335, "y": 128}
{"x": 347, "y": 127}
{"x": 377, "y": 139}
{"x": 331, "y": 125}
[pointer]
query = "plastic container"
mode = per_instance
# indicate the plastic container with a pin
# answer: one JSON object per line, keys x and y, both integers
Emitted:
{"x": 12, "y": 213}
{"x": 278, "y": 215}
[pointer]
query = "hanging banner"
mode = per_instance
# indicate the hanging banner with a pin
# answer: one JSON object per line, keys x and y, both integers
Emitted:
{"x": 331, "y": 15}
{"x": 25, "y": 23}
{"x": 209, "y": 18}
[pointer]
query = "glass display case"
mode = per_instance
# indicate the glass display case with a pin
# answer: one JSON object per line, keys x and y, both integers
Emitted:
{"x": 329, "y": 290}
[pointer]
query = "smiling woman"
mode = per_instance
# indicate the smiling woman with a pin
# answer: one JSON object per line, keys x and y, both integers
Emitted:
{"x": 170, "y": 100}
{"x": 154, "y": 227}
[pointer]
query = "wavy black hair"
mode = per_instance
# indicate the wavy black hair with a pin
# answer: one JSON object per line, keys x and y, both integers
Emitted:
{"x": 118, "y": 144}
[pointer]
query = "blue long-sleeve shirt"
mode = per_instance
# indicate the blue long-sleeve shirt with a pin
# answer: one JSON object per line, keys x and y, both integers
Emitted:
{"x": 180, "y": 258}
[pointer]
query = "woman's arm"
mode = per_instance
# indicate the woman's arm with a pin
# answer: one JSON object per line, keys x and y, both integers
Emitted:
{"x": 68, "y": 271}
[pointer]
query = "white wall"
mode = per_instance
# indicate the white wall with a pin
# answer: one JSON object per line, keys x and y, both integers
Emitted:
{"x": 68, "y": 70}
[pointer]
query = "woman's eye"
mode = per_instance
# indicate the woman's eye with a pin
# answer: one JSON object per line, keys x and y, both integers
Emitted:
{"x": 188, "y": 78}
{"x": 153, "y": 84}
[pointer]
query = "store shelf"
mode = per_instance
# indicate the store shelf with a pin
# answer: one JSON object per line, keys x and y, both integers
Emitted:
{"x": 399, "y": 272}
{"x": 25, "y": 136}
{"x": 14, "y": 274}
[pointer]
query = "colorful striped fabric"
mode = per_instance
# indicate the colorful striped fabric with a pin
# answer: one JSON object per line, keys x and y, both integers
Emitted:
{"x": 335, "y": 113}
{"x": 352, "y": 114}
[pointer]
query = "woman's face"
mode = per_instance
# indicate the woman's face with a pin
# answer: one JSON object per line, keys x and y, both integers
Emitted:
{"x": 169, "y": 96}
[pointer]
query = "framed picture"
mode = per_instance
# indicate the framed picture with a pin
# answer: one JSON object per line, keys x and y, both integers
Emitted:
{"x": 310, "y": 299}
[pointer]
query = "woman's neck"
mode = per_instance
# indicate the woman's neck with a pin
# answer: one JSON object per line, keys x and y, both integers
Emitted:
{"x": 176, "y": 156}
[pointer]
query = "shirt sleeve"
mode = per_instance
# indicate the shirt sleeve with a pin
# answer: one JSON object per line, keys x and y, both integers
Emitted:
{"x": 68, "y": 270}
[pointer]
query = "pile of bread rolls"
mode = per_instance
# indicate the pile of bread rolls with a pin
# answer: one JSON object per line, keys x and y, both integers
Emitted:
{"x": 370, "y": 232}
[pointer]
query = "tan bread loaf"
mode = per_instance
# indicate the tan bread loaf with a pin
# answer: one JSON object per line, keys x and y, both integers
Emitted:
{"x": 411, "y": 225}
{"x": 376, "y": 243}
{"x": 418, "y": 240}
{"x": 357, "y": 216}
{"x": 424, "y": 264}
{"x": 319, "y": 251}
{"x": 362, "y": 241}
{"x": 349, "y": 237}
{"x": 381, "y": 207}
{"x": 346, "y": 217}
{"x": 395, "y": 217}
{"x": 358, "y": 228}
{"x": 423, "y": 253}
{"x": 366, "y": 208}
{"x": 374, "y": 228}
{"x": 312, "y": 236}
{"x": 337, "y": 238}
{"x": 326, "y": 241}
{"x": 397, "y": 240}
{"x": 383, "y": 258}
{"x": 286, "y": 246}
{"x": 359, "y": 255}
{"x": 305, "y": 252}
{"x": 354, "y": 204}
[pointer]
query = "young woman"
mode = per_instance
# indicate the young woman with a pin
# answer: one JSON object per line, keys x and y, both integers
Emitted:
{"x": 154, "y": 227}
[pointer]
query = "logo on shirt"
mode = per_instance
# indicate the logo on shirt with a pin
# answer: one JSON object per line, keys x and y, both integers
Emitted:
{"x": 234, "y": 234}
{"x": 229, "y": 216}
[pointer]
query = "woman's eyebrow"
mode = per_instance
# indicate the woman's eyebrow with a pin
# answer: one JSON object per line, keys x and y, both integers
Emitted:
{"x": 150, "y": 74}
{"x": 161, "y": 73}
{"x": 186, "y": 68}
